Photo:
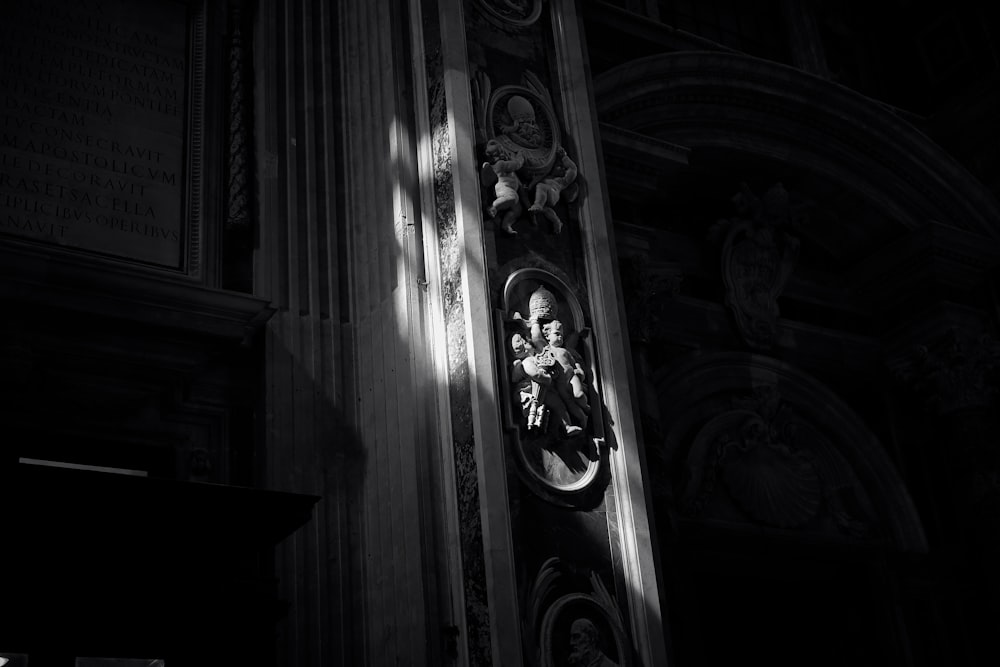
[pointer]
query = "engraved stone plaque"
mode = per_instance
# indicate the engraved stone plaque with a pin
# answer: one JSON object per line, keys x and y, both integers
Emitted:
{"x": 92, "y": 126}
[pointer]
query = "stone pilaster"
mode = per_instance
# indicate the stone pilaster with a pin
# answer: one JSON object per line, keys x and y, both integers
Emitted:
{"x": 350, "y": 371}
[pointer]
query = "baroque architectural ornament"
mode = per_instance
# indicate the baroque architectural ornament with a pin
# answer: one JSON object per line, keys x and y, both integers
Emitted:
{"x": 518, "y": 13}
{"x": 771, "y": 465}
{"x": 758, "y": 256}
{"x": 239, "y": 129}
{"x": 572, "y": 620}
{"x": 525, "y": 166}
{"x": 553, "y": 407}
{"x": 953, "y": 372}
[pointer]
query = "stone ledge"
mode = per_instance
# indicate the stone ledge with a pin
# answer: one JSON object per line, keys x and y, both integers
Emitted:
{"x": 127, "y": 293}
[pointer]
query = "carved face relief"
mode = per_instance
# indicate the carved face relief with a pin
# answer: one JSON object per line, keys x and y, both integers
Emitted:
{"x": 554, "y": 333}
{"x": 572, "y": 624}
{"x": 523, "y": 123}
{"x": 523, "y": 128}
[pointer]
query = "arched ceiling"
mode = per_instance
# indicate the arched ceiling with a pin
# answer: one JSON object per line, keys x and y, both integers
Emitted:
{"x": 867, "y": 175}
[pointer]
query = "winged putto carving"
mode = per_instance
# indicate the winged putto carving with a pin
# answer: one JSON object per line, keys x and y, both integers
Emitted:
{"x": 525, "y": 166}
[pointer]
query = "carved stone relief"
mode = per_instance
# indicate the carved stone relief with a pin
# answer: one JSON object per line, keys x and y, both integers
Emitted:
{"x": 569, "y": 623}
{"x": 953, "y": 371}
{"x": 758, "y": 450}
{"x": 525, "y": 166}
{"x": 758, "y": 256}
{"x": 753, "y": 442}
{"x": 553, "y": 406}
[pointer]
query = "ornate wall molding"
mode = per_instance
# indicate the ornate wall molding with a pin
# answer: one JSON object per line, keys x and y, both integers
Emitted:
{"x": 573, "y": 620}
{"x": 702, "y": 99}
{"x": 240, "y": 126}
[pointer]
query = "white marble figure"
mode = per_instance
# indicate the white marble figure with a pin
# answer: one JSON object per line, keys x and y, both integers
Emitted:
{"x": 567, "y": 371}
{"x": 549, "y": 189}
{"x": 584, "y": 639}
{"x": 533, "y": 385}
{"x": 507, "y": 185}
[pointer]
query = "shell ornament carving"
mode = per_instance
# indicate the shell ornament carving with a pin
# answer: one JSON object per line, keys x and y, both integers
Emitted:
{"x": 753, "y": 442}
{"x": 771, "y": 482}
{"x": 760, "y": 461}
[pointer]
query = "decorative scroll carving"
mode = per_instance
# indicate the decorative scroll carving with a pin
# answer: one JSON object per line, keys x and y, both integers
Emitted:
{"x": 955, "y": 371}
{"x": 573, "y": 621}
{"x": 525, "y": 165}
{"x": 516, "y": 13}
{"x": 757, "y": 259}
{"x": 238, "y": 215}
{"x": 554, "y": 410}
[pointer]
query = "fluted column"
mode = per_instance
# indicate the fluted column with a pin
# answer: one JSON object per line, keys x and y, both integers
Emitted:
{"x": 308, "y": 448}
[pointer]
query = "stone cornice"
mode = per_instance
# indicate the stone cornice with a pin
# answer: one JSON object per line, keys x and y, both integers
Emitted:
{"x": 648, "y": 29}
{"x": 128, "y": 295}
{"x": 933, "y": 256}
{"x": 638, "y": 160}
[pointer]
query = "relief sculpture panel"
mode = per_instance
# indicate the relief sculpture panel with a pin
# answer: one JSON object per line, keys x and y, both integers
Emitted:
{"x": 526, "y": 168}
{"x": 573, "y": 620}
{"x": 553, "y": 407}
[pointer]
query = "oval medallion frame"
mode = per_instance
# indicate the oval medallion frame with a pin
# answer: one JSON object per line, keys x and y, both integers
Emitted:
{"x": 560, "y": 616}
{"x": 559, "y": 469}
{"x": 538, "y": 161}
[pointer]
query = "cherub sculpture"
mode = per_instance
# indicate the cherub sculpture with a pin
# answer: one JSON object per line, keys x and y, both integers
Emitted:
{"x": 502, "y": 173}
{"x": 567, "y": 371}
{"x": 549, "y": 189}
{"x": 533, "y": 384}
